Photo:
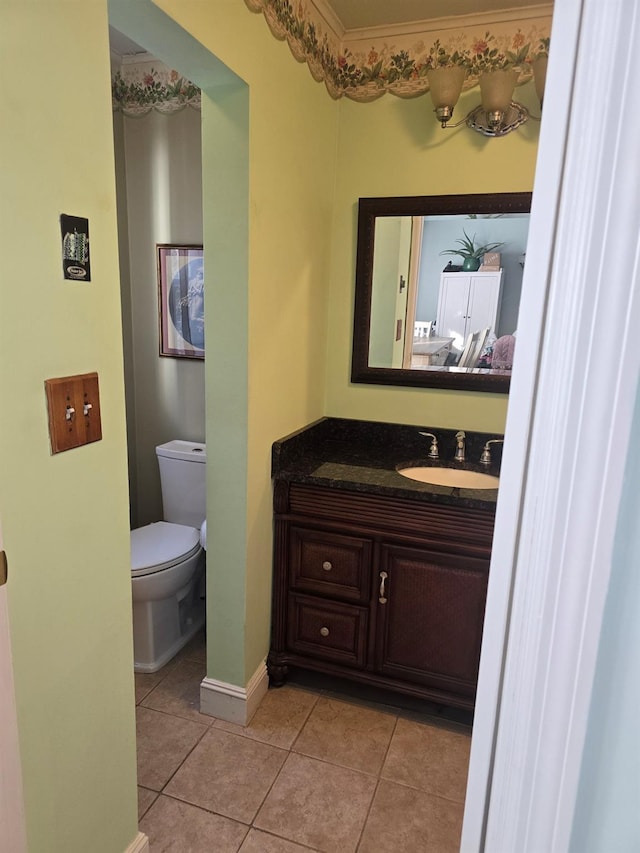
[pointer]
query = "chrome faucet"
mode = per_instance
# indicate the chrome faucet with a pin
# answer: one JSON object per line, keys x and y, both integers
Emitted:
{"x": 433, "y": 451}
{"x": 460, "y": 437}
{"x": 485, "y": 458}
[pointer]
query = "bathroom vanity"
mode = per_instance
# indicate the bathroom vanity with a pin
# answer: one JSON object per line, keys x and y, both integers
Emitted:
{"x": 378, "y": 578}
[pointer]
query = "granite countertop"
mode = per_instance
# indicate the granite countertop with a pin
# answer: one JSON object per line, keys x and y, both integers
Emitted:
{"x": 364, "y": 456}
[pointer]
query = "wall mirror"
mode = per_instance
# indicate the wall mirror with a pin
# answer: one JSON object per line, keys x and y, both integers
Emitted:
{"x": 422, "y": 320}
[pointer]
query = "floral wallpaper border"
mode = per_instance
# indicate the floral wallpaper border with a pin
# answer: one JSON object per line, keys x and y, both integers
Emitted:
{"x": 363, "y": 71}
{"x": 356, "y": 68}
{"x": 137, "y": 88}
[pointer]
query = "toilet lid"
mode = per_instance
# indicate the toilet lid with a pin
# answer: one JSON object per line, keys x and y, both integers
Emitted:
{"x": 161, "y": 545}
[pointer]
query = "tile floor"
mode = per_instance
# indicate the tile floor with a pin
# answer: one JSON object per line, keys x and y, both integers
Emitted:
{"x": 310, "y": 772}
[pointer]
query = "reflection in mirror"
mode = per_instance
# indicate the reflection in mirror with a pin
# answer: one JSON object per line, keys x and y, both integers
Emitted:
{"x": 438, "y": 284}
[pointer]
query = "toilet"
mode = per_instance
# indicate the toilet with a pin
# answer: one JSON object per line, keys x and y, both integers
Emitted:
{"x": 168, "y": 560}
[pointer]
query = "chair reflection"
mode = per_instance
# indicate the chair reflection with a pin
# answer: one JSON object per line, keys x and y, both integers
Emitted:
{"x": 473, "y": 348}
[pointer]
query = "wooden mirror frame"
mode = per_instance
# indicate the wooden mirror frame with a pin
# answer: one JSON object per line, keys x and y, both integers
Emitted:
{"x": 368, "y": 210}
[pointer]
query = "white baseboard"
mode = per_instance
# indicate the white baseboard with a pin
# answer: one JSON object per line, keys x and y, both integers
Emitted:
{"x": 140, "y": 844}
{"x": 232, "y": 703}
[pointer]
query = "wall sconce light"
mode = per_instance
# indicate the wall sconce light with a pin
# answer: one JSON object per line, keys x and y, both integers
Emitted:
{"x": 498, "y": 114}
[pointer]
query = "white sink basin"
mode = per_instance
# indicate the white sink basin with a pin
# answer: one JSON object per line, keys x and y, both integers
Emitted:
{"x": 452, "y": 477}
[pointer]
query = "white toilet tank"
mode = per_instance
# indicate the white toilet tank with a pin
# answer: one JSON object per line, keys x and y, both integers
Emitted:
{"x": 183, "y": 480}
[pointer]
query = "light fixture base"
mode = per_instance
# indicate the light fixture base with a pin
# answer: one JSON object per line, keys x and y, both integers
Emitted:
{"x": 444, "y": 115}
{"x": 514, "y": 116}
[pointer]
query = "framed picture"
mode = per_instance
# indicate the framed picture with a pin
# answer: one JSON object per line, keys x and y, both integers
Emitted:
{"x": 181, "y": 300}
{"x": 490, "y": 262}
{"x": 75, "y": 247}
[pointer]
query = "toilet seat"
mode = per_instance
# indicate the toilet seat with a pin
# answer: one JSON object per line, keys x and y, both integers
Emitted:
{"x": 160, "y": 546}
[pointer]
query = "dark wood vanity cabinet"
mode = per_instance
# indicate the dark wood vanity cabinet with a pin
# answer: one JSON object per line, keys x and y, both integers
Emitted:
{"x": 431, "y": 625}
{"x": 383, "y": 590}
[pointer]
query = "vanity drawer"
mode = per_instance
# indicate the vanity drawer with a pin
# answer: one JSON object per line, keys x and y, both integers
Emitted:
{"x": 328, "y": 629}
{"x": 329, "y": 563}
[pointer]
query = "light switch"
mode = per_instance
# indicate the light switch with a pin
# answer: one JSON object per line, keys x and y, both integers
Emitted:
{"x": 74, "y": 411}
{"x": 89, "y": 413}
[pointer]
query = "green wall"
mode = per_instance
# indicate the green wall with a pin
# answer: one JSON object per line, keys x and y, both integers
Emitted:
{"x": 384, "y": 289}
{"x": 226, "y": 226}
{"x": 269, "y": 152}
{"x": 64, "y": 517}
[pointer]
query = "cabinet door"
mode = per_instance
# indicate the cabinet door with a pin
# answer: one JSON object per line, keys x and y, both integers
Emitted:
{"x": 484, "y": 301}
{"x": 453, "y": 305}
{"x": 467, "y": 303}
{"x": 429, "y": 628}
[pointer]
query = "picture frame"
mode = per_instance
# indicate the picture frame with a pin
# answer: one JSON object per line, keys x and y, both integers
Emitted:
{"x": 491, "y": 262}
{"x": 181, "y": 300}
{"x": 74, "y": 233}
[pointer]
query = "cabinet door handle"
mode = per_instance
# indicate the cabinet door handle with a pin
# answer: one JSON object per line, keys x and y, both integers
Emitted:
{"x": 324, "y": 632}
{"x": 327, "y": 566}
{"x": 383, "y": 578}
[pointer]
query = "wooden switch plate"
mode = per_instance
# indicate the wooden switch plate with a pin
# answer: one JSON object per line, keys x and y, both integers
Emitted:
{"x": 74, "y": 411}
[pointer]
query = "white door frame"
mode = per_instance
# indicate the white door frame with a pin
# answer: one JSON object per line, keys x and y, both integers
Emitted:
{"x": 12, "y": 822}
{"x": 570, "y": 412}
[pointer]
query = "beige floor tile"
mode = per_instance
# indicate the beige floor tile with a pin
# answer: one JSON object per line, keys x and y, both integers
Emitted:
{"x": 261, "y": 842}
{"x": 432, "y": 759}
{"x": 175, "y": 827}
{"x": 145, "y": 799}
{"x": 349, "y": 735}
{"x": 317, "y": 804}
{"x": 228, "y": 774}
{"x": 405, "y": 820}
{"x": 195, "y": 650}
{"x": 163, "y": 743}
{"x": 278, "y": 720}
{"x": 179, "y": 692}
{"x": 146, "y": 681}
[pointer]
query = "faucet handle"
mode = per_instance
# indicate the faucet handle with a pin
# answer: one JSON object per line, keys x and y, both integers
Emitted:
{"x": 485, "y": 457}
{"x": 433, "y": 450}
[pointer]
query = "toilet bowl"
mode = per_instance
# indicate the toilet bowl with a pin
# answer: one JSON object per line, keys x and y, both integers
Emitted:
{"x": 168, "y": 562}
{"x": 167, "y": 566}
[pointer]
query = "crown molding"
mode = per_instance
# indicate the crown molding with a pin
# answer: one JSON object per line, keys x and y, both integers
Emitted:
{"x": 330, "y": 18}
{"x": 454, "y": 22}
{"x": 428, "y": 25}
{"x": 137, "y": 58}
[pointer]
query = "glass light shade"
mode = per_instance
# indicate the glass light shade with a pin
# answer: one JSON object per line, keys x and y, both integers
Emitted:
{"x": 539, "y": 67}
{"x": 445, "y": 85}
{"x": 496, "y": 89}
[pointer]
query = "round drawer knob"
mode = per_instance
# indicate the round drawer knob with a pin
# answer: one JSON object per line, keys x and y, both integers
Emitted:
{"x": 327, "y": 566}
{"x": 324, "y": 632}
